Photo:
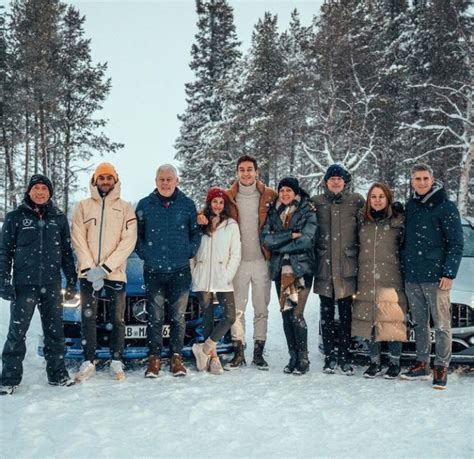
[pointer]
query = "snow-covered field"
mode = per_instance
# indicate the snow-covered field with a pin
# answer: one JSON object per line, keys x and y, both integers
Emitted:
{"x": 246, "y": 413}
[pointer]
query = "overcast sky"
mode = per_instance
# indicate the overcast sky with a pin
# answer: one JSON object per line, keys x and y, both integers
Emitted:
{"x": 147, "y": 46}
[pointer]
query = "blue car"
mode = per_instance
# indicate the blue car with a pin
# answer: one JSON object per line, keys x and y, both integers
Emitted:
{"x": 135, "y": 322}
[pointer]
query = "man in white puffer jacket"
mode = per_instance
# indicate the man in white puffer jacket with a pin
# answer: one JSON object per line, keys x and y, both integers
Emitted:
{"x": 104, "y": 234}
{"x": 213, "y": 271}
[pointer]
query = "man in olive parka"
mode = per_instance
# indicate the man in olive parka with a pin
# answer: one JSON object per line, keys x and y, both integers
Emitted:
{"x": 336, "y": 248}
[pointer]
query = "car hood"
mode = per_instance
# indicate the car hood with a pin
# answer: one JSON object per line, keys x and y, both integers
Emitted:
{"x": 463, "y": 287}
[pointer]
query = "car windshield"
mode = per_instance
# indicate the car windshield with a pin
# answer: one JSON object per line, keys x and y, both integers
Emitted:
{"x": 468, "y": 241}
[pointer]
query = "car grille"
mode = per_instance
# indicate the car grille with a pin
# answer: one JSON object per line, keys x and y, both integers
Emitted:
{"x": 103, "y": 310}
{"x": 461, "y": 315}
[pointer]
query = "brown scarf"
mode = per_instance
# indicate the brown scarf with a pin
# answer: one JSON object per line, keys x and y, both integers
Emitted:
{"x": 289, "y": 284}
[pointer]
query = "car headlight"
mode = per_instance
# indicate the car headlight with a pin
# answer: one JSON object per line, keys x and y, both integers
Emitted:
{"x": 74, "y": 303}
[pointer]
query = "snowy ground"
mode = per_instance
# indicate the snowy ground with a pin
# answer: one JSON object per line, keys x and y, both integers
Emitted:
{"x": 246, "y": 413}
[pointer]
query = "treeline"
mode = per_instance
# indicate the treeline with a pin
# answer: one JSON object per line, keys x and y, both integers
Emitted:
{"x": 51, "y": 93}
{"x": 374, "y": 84}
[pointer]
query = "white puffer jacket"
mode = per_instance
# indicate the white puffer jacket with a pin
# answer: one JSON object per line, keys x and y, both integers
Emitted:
{"x": 218, "y": 259}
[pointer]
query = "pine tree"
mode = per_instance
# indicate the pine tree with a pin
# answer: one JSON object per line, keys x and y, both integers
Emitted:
{"x": 440, "y": 79}
{"x": 84, "y": 88}
{"x": 255, "y": 115}
{"x": 213, "y": 56}
{"x": 52, "y": 93}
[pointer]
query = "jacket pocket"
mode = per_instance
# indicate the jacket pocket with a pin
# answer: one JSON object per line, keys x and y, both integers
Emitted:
{"x": 434, "y": 254}
{"x": 322, "y": 264}
{"x": 349, "y": 262}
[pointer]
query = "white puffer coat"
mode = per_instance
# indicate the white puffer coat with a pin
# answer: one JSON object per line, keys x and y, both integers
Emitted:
{"x": 218, "y": 259}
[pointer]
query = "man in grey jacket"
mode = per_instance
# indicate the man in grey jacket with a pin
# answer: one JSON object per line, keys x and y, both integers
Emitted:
{"x": 336, "y": 263}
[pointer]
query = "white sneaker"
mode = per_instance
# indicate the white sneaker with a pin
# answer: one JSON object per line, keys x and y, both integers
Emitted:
{"x": 116, "y": 370}
{"x": 215, "y": 366}
{"x": 202, "y": 359}
{"x": 7, "y": 390}
{"x": 86, "y": 370}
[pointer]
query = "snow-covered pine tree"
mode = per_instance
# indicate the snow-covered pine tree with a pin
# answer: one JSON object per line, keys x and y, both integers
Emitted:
{"x": 84, "y": 88}
{"x": 440, "y": 78}
{"x": 51, "y": 97}
{"x": 213, "y": 56}
{"x": 344, "y": 97}
{"x": 254, "y": 115}
{"x": 290, "y": 100}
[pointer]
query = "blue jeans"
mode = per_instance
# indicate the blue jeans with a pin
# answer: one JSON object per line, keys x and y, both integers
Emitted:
{"x": 167, "y": 294}
{"x": 115, "y": 293}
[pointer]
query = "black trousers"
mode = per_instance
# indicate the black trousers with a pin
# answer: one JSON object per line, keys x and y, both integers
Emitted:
{"x": 115, "y": 293}
{"x": 226, "y": 300}
{"x": 294, "y": 323}
{"x": 48, "y": 298}
{"x": 328, "y": 326}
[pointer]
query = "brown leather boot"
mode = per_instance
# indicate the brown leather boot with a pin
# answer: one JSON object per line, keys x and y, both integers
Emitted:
{"x": 239, "y": 357}
{"x": 177, "y": 367}
{"x": 154, "y": 366}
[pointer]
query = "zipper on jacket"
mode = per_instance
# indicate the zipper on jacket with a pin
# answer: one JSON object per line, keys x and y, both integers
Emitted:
{"x": 374, "y": 307}
{"x": 210, "y": 262}
{"x": 41, "y": 226}
{"x": 100, "y": 230}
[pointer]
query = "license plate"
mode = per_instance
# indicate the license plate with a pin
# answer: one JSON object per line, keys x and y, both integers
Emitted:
{"x": 412, "y": 335}
{"x": 139, "y": 331}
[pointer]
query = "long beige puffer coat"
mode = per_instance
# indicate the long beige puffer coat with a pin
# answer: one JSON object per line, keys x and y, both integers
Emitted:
{"x": 380, "y": 305}
{"x": 104, "y": 232}
{"x": 336, "y": 243}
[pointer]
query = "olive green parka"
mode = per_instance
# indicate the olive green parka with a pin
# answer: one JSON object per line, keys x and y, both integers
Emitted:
{"x": 336, "y": 243}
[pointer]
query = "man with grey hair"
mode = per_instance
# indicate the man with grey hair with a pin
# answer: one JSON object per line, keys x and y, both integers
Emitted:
{"x": 432, "y": 254}
{"x": 168, "y": 237}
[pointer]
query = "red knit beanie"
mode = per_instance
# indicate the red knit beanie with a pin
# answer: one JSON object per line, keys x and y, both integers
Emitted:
{"x": 216, "y": 192}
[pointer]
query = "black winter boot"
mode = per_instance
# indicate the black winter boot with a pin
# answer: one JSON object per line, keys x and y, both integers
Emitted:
{"x": 239, "y": 357}
{"x": 302, "y": 364}
{"x": 258, "y": 359}
{"x": 290, "y": 367}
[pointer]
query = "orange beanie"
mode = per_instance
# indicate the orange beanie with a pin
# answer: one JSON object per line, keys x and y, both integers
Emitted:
{"x": 105, "y": 169}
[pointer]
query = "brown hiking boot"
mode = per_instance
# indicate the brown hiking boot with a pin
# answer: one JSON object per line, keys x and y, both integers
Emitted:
{"x": 239, "y": 357}
{"x": 177, "y": 367}
{"x": 154, "y": 365}
{"x": 440, "y": 377}
{"x": 420, "y": 370}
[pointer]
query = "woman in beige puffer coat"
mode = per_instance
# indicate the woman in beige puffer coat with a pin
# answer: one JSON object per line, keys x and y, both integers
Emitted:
{"x": 379, "y": 312}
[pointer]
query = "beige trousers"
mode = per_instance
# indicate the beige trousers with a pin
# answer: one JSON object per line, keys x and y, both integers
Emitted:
{"x": 255, "y": 274}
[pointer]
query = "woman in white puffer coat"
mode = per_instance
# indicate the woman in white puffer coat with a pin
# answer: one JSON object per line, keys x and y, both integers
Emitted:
{"x": 213, "y": 270}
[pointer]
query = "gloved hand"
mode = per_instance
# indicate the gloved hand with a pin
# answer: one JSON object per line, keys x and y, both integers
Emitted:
{"x": 7, "y": 292}
{"x": 98, "y": 284}
{"x": 96, "y": 274}
{"x": 70, "y": 292}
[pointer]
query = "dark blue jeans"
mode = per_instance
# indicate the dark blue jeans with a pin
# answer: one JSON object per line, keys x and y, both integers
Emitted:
{"x": 115, "y": 294}
{"x": 48, "y": 298}
{"x": 167, "y": 294}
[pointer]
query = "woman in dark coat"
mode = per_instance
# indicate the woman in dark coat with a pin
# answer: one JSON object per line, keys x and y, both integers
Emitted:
{"x": 380, "y": 302}
{"x": 288, "y": 234}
